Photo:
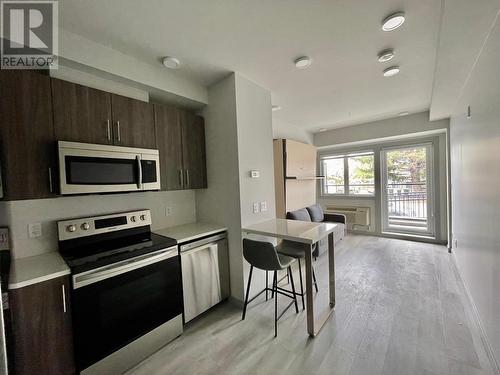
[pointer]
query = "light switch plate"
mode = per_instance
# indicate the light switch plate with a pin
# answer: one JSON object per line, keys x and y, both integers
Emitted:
{"x": 34, "y": 230}
{"x": 256, "y": 208}
{"x": 263, "y": 206}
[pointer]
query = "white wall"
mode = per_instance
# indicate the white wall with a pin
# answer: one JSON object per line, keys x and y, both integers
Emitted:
{"x": 220, "y": 202}
{"x": 475, "y": 160}
{"x": 92, "y": 80}
{"x": 239, "y": 139}
{"x": 399, "y": 126}
{"x": 18, "y": 214}
{"x": 80, "y": 50}
{"x": 255, "y": 151}
{"x": 285, "y": 130}
{"x": 464, "y": 26}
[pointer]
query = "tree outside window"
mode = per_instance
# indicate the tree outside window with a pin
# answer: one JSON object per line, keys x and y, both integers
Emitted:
{"x": 349, "y": 174}
{"x": 361, "y": 175}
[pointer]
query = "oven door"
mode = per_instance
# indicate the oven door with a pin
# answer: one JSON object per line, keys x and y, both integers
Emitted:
{"x": 116, "y": 304}
{"x": 88, "y": 168}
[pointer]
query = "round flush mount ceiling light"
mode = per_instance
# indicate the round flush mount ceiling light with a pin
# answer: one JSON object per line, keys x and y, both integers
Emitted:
{"x": 171, "y": 62}
{"x": 386, "y": 55}
{"x": 276, "y": 108}
{"x": 322, "y": 129}
{"x": 303, "y": 62}
{"x": 391, "y": 71}
{"x": 405, "y": 113}
{"x": 393, "y": 21}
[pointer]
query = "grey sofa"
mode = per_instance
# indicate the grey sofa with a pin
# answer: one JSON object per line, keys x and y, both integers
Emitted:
{"x": 315, "y": 213}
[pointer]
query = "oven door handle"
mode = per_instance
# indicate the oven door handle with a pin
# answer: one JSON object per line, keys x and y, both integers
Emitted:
{"x": 90, "y": 277}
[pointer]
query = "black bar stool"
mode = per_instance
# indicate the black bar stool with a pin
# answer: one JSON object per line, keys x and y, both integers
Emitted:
{"x": 263, "y": 255}
{"x": 297, "y": 251}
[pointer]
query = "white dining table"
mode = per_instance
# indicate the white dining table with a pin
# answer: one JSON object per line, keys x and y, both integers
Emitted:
{"x": 307, "y": 233}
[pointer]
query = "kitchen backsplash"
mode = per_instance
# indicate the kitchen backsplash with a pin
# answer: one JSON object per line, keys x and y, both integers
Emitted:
{"x": 168, "y": 208}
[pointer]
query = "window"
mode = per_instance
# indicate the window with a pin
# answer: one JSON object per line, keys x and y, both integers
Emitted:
{"x": 349, "y": 174}
{"x": 361, "y": 176}
{"x": 333, "y": 170}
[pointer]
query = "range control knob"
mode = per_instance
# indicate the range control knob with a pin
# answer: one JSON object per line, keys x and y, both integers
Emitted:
{"x": 143, "y": 217}
{"x": 85, "y": 226}
{"x": 133, "y": 219}
{"x": 71, "y": 228}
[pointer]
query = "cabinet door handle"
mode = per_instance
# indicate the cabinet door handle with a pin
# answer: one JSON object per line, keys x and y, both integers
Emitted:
{"x": 51, "y": 187}
{"x": 187, "y": 178}
{"x": 108, "y": 130}
{"x": 64, "y": 298}
{"x": 118, "y": 133}
{"x": 181, "y": 178}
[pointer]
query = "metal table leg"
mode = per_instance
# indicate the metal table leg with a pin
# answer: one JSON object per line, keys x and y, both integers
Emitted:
{"x": 315, "y": 325}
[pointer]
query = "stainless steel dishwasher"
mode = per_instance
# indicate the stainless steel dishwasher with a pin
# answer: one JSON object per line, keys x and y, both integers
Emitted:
{"x": 205, "y": 274}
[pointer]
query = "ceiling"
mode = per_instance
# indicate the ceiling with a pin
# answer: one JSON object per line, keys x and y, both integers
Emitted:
{"x": 260, "y": 40}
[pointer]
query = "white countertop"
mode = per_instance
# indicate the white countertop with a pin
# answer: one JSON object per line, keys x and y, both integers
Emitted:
{"x": 36, "y": 269}
{"x": 39, "y": 268}
{"x": 293, "y": 230}
{"x": 189, "y": 232}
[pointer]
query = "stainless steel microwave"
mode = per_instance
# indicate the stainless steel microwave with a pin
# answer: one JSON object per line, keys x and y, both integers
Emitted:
{"x": 86, "y": 168}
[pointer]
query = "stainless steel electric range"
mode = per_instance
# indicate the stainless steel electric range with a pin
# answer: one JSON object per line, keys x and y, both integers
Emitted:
{"x": 126, "y": 296}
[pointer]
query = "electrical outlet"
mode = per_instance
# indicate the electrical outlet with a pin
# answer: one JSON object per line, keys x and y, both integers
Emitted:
{"x": 168, "y": 211}
{"x": 263, "y": 206}
{"x": 256, "y": 208}
{"x": 34, "y": 230}
{"x": 254, "y": 174}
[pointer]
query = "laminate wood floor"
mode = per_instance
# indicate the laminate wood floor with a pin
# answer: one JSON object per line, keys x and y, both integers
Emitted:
{"x": 401, "y": 309}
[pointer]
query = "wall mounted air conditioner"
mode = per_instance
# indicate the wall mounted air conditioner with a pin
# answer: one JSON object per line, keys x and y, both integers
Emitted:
{"x": 358, "y": 218}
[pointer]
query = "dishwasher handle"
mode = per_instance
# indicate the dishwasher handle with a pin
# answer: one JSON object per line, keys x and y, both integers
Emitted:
{"x": 203, "y": 243}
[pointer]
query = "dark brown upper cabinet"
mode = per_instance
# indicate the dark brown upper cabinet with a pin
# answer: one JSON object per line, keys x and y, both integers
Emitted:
{"x": 81, "y": 114}
{"x": 133, "y": 122}
{"x": 169, "y": 141}
{"x": 193, "y": 151}
{"x": 181, "y": 141}
{"x": 41, "y": 328}
{"x": 36, "y": 111}
{"x": 27, "y": 142}
{"x": 84, "y": 114}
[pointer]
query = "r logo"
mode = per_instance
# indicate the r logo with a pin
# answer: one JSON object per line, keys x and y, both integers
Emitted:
{"x": 29, "y": 30}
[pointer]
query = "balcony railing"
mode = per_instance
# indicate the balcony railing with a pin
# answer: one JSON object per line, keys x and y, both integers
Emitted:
{"x": 407, "y": 203}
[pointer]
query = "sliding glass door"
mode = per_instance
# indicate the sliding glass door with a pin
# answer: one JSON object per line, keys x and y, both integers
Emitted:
{"x": 407, "y": 199}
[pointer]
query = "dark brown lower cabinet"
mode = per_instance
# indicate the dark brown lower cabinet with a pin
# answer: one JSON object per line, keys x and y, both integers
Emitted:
{"x": 41, "y": 328}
